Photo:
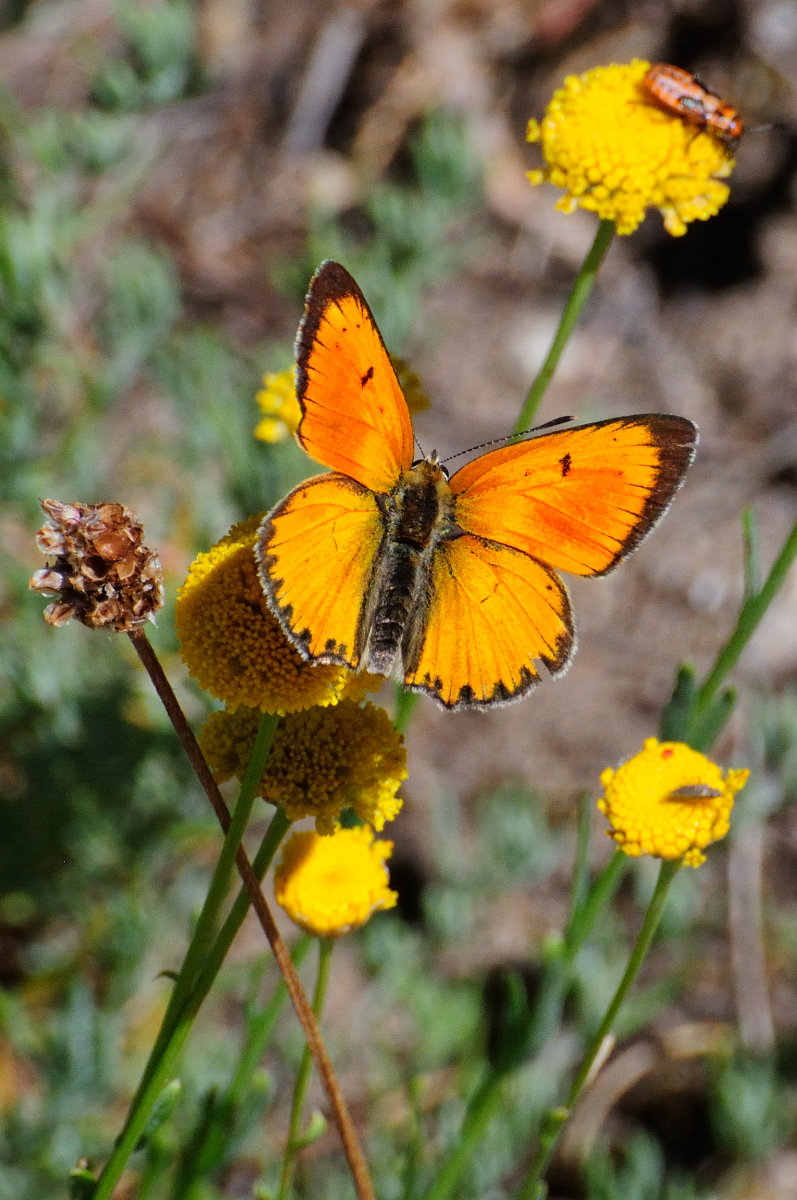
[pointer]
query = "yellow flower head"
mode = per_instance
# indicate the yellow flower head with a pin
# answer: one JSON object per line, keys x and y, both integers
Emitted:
{"x": 331, "y": 885}
{"x": 616, "y": 152}
{"x": 279, "y": 406}
{"x": 669, "y": 801}
{"x": 234, "y": 646}
{"x": 322, "y": 761}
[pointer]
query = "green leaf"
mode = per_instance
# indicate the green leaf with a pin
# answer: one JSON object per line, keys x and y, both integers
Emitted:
{"x": 82, "y": 1184}
{"x": 708, "y": 727}
{"x": 676, "y": 720}
{"x": 316, "y": 1129}
{"x": 164, "y": 1107}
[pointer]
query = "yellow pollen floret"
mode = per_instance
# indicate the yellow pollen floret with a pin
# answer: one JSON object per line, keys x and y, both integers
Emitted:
{"x": 331, "y": 885}
{"x": 233, "y": 644}
{"x": 322, "y": 761}
{"x": 616, "y": 152}
{"x": 279, "y": 406}
{"x": 669, "y": 801}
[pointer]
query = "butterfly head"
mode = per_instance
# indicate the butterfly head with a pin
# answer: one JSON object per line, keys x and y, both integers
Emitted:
{"x": 432, "y": 460}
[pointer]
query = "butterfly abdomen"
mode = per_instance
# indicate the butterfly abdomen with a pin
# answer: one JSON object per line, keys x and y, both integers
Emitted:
{"x": 418, "y": 514}
{"x": 393, "y": 607}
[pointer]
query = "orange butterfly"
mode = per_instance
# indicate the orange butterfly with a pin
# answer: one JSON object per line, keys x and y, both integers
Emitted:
{"x": 385, "y": 561}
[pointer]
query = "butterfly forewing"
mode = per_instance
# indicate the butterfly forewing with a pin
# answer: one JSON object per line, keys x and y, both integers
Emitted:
{"x": 354, "y": 416}
{"x": 580, "y": 499}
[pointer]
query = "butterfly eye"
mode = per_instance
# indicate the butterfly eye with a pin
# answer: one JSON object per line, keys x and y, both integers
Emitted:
{"x": 452, "y": 531}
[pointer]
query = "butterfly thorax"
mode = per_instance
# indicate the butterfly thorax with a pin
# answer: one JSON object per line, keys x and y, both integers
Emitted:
{"x": 421, "y": 504}
{"x": 419, "y": 515}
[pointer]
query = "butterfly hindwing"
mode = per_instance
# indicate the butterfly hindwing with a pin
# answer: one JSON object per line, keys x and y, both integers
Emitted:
{"x": 491, "y": 611}
{"x": 579, "y": 499}
{"x": 318, "y": 552}
{"x": 354, "y": 416}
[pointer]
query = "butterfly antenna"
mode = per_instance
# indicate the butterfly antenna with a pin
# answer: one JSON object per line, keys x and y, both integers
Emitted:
{"x": 509, "y": 437}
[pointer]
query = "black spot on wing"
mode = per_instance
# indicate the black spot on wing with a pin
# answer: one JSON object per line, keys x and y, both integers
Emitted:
{"x": 369, "y": 374}
{"x": 565, "y": 462}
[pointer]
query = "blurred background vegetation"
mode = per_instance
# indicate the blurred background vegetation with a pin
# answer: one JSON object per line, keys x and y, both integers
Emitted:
{"x": 170, "y": 176}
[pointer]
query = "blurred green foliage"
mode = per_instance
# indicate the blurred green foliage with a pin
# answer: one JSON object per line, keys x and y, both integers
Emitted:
{"x": 160, "y": 62}
{"x": 640, "y": 1174}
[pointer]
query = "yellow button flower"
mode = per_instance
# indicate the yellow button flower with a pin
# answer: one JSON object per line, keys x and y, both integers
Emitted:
{"x": 331, "y": 885}
{"x": 322, "y": 761}
{"x": 616, "y": 152}
{"x": 279, "y": 406}
{"x": 669, "y": 801}
{"x": 234, "y": 646}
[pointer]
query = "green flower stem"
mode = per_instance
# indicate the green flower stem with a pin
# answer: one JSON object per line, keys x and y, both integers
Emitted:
{"x": 348, "y": 1134}
{"x": 260, "y": 1027}
{"x": 601, "y": 893}
{"x": 208, "y": 1143}
{"x": 201, "y": 945}
{"x": 580, "y": 885}
{"x": 543, "y": 1019}
{"x": 406, "y": 702}
{"x": 578, "y": 298}
{"x": 235, "y": 918}
{"x": 752, "y": 557}
{"x": 220, "y": 882}
{"x": 667, "y": 872}
{"x": 547, "y": 1011}
{"x": 302, "y": 1007}
{"x": 294, "y": 1141}
{"x": 179, "y": 1017}
{"x": 416, "y": 1147}
{"x": 169, "y": 1044}
{"x": 750, "y": 615}
{"x": 533, "y": 1188}
{"x": 481, "y": 1109}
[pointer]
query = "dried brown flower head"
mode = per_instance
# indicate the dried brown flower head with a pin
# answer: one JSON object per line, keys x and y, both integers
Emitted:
{"x": 103, "y": 575}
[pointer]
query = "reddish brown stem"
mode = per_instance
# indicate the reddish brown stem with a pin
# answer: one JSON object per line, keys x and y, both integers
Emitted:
{"x": 304, "y": 1011}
